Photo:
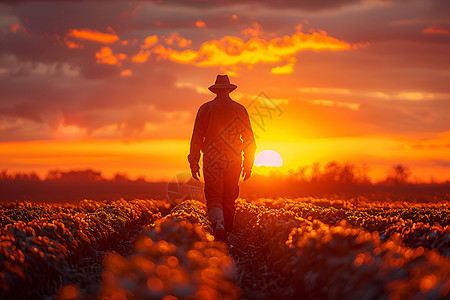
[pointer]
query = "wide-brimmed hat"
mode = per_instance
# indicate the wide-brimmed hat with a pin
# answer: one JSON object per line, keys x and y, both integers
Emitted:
{"x": 222, "y": 85}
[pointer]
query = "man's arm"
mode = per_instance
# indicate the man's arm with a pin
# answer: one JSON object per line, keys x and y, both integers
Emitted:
{"x": 196, "y": 145}
{"x": 248, "y": 140}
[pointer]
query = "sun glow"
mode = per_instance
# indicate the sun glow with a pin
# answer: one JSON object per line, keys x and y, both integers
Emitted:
{"x": 268, "y": 158}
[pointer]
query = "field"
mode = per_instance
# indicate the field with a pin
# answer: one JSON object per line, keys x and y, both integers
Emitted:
{"x": 304, "y": 248}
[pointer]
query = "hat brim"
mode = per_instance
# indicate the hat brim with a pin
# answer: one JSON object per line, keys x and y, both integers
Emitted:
{"x": 215, "y": 88}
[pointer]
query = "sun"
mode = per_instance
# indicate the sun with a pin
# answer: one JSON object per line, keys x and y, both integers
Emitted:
{"x": 268, "y": 158}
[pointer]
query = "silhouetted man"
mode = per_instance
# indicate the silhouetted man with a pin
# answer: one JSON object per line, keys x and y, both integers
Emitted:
{"x": 222, "y": 131}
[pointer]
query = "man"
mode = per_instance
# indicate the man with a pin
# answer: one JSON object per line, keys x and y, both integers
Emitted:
{"x": 222, "y": 131}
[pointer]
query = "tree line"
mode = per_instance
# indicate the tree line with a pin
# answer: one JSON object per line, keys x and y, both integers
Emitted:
{"x": 332, "y": 178}
{"x": 332, "y": 172}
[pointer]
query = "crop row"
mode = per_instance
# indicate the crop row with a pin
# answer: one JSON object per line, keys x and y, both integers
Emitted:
{"x": 37, "y": 256}
{"x": 310, "y": 259}
{"x": 177, "y": 258}
{"x": 418, "y": 226}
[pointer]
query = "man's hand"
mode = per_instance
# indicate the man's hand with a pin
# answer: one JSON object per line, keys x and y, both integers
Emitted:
{"x": 195, "y": 171}
{"x": 246, "y": 174}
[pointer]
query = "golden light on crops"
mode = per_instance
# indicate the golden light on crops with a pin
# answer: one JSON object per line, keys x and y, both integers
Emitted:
{"x": 268, "y": 158}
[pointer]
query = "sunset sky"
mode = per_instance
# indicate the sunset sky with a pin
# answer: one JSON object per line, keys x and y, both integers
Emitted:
{"x": 115, "y": 85}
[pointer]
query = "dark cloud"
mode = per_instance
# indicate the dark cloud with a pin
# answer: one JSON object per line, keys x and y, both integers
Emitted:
{"x": 47, "y": 29}
{"x": 15, "y": 129}
{"x": 296, "y": 4}
{"x": 46, "y": 85}
{"x": 300, "y": 4}
{"x": 56, "y": 95}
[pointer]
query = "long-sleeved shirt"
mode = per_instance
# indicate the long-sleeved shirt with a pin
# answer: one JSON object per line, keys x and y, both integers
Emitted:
{"x": 222, "y": 131}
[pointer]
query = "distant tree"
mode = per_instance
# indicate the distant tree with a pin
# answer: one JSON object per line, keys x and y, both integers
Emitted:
{"x": 121, "y": 177}
{"x": 347, "y": 174}
{"x": 26, "y": 177}
{"x": 331, "y": 172}
{"x": 362, "y": 174}
{"x": 75, "y": 175}
{"x": 34, "y": 177}
{"x": 53, "y": 175}
{"x": 4, "y": 175}
{"x": 315, "y": 172}
{"x": 141, "y": 179}
{"x": 299, "y": 174}
{"x": 398, "y": 174}
{"x": 85, "y": 175}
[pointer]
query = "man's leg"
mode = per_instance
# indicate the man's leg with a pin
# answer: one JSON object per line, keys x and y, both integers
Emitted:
{"x": 228, "y": 213}
{"x": 230, "y": 194}
{"x": 213, "y": 195}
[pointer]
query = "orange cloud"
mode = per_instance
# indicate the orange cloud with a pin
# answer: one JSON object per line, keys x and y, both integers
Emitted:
{"x": 15, "y": 27}
{"x": 93, "y": 35}
{"x": 348, "y": 105}
{"x": 69, "y": 132}
{"x": 106, "y": 56}
{"x": 232, "y": 51}
{"x": 143, "y": 54}
{"x": 200, "y": 24}
{"x": 317, "y": 90}
{"x": 255, "y": 31}
{"x": 161, "y": 51}
{"x": 126, "y": 73}
{"x": 436, "y": 30}
{"x": 186, "y": 56}
{"x": 141, "y": 57}
{"x": 175, "y": 39}
{"x": 286, "y": 69}
{"x": 150, "y": 41}
{"x": 73, "y": 45}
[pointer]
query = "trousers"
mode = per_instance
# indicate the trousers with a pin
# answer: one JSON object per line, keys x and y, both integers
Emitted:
{"x": 221, "y": 191}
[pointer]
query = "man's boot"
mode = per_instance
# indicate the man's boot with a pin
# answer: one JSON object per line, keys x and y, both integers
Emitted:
{"x": 217, "y": 219}
{"x": 220, "y": 234}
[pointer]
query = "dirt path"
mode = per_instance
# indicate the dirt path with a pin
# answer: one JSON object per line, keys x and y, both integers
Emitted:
{"x": 254, "y": 273}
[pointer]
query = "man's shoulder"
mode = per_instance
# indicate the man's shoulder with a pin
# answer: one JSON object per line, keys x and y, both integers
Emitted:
{"x": 205, "y": 105}
{"x": 238, "y": 105}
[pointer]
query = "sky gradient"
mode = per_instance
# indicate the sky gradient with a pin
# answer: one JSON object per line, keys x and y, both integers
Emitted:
{"x": 116, "y": 85}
